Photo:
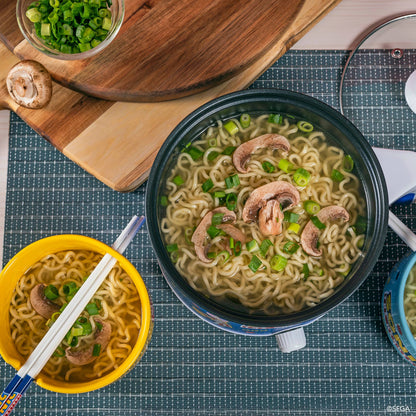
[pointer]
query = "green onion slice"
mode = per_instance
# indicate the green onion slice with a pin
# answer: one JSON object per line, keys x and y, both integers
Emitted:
{"x": 177, "y": 180}
{"x": 232, "y": 181}
{"x": 348, "y": 163}
{"x": 305, "y": 126}
{"x": 278, "y": 262}
{"x": 194, "y": 152}
{"x": 213, "y": 231}
{"x": 92, "y": 309}
{"x": 245, "y": 120}
{"x": 171, "y": 248}
{"x": 275, "y": 118}
{"x": 305, "y": 271}
{"x": 285, "y": 165}
{"x": 252, "y": 246}
{"x": 264, "y": 246}
{"x": 254, "y": 264}
{"x": 294, "y": 228}
{"x": 51, "y": 292}
{"x": 163, "y": 201}
{"x": 207, "y": 185}
{"x": 217, "y": 218}
{"x": 231, "y": 128}
{"x": 228, "y": 151}
{"x": 301, "y": 177}
{"x": 96, "y": 350}
{"x": 291, "y": 217}
{"x": 317, "y": 223}
{"x": 311, "y": 207}
{"x": 212, "y": 155}
{"x": 290, "y": 247}
{"x": 336, "y": 175}
{"x": 231, "y": 201}
{"x": 268, "y": 167}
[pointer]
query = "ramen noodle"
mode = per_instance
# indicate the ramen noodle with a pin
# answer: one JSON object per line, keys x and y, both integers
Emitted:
{"x": 103, "y": 335}
{"x": 243, "y": 258}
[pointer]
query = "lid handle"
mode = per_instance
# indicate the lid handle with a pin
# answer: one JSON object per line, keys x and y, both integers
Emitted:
{"x": 291, "y": 340}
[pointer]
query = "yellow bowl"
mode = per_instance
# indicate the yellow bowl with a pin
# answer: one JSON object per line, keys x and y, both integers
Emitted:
{"x": 20, "y": 263}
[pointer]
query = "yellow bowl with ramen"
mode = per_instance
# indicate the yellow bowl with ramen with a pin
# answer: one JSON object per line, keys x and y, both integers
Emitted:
{"x": 31, "y": 262}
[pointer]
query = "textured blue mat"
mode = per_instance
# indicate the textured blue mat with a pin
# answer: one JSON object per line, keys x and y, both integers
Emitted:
{"x": 190, "y": 368}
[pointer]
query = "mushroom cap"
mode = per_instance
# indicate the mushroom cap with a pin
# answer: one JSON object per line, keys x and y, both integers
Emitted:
{"x": 83, "y": 357}
{"x": 29, "y": 84}
{"x": 310, "y": 234}
{"x": 199, "y": 236}
{"x": 271, "y": 218}
{"x": 41, "y": 304}
{"x": 243, "y": 152}
{"x": 283, "y": 192}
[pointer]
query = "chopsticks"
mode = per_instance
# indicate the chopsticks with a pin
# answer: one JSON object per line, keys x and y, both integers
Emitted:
{"x": 43, "y": 351}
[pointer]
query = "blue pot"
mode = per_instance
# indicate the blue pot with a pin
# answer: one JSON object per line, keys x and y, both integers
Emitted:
{"x": 394, "y": 319}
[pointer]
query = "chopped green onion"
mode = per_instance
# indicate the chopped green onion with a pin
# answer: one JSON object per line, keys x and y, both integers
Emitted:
{"x": 207, "y": 185}
{"x": 59, "y": 352}
{"x": 224, "y": 254}
{"x": 211, "y": 255}
{"x": 69, "y": 288}
{"x": 195, "y": 153}
{"x": 317, "y": 223}
{"x": 106, "y": 23}
{"x": 348, "y": 269}
{"x": 212, "y": 155}
{"x": 264, "y": 246}
{"x": 232, "y": 181}
{"x": 212, "y": 142}
{"x": 305, "y": 126}
{"x": 219, "y": 194}
{"x": 290, "y": 247}
{"x": 217, "y": 218}
{"x": 188, "y": 235}
{"x": 237, "y": 248}
{"x": 99, "y": 326}
{"x": 92, "y": 309}
{"x": 164, "y": 201}
{"x": 76, "y": 332}
{"x": 177, "y": 180}
{"x": 278, "y": 262}
{"x": 231, "y": 242}
{"x": 291, "y": 217}
{"x": 213, "y": 231}
{"x": 254, "y": 264}
{"x": 34, "y": 15}
{"x": 245, "y": 120}
{"x": 231, "y": 128}
{"x": 171, "y": 248}
{"x": 252, "y": 246}
{"x": 231, "y": 201}
{"x": 311, "y": 207}
{"x": 228, "y": 151}
{"x": 301, "y": 177}
{"x": 51, "y": 292}
{"x": 336, "y": 175}
{"x": 285, "y": 165}
{"x": 174, "y": 256}
{"x": 305, "y": 271}
{"x": 294, "y": 228}
{"x": 348, "y": 163}
{"x": 45, "y": 29}
{"x": 96, "y": 350}
{"x": 268, "y": 167}
{"x": 275, "y": 118}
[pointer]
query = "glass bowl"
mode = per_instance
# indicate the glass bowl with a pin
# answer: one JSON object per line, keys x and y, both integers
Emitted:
{"x": 28, "y": 30}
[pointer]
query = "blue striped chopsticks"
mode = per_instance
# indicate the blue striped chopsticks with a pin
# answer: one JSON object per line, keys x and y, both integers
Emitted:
{"x": 41, "y": 354}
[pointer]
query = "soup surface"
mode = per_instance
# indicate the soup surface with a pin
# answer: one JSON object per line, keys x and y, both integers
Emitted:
{"x": 104, "y": 334}
{"x": 264, "y": 214}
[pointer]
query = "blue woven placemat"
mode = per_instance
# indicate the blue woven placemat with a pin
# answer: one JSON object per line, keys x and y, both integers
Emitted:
{"x": 190, "y": 368}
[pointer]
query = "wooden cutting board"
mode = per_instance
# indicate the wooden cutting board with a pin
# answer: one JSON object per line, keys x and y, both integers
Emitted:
{"x": 118, "y": 141}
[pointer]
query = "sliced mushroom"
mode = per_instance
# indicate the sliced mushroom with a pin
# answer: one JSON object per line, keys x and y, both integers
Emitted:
{"x": 310, "y": 234}
{"x": 199, "y": 236}
{"x": 243, "y": 152}
{"x": 41, "y": 304}
{"x": 29, "y": 84}
{"x": 271, "y": 218}
{"x": 259, "y": 205}
{"x": 101, "y": 337}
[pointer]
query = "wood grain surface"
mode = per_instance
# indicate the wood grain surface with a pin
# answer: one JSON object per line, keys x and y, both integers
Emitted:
{"x": 118, "y": 141}
{"x": 168, "y": 49}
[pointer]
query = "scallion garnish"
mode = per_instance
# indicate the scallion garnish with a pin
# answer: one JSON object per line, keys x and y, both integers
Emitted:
{"x": 317, "y": 223}
{"x": 212, "y": 155}
{"x": 217, "y": 218}
{"x": 275, "y": 118}
{"x": 336, "y": 175}
{"x": 194, "y": 152}
{"x": 293, "y": 228}
{"x": 285, "y": 165}
{"x": 254, "y": 264}
{"x": 245, "y": 120}
{"x": 311, "y": 207}
{"x": 96, "y": 350}
{"x": 278, "y": 262}
{"x": 301, "y": 177}
{"x": 305, "y": 126}
{"x": 252, "y": 246}
{"x": 290, "y": 247}
{"x": 171, "y": 248}
{"x": 69, "y": 288}
{"x": 267, "y": 167}
{"x": 207, "y": 185}
{"x": 92, "y": 309}
{"x": 291, "y": 217}
{"x": 228, "y": 151}
{"x": 213, "y": 231}
{"x": 231, "y": 128}
{"x": 305, "y": 271}
{"x": 264, "y": 246}
{"x": 163, "y": 201}
{"x": 231, "y": 201}
{"x": 177, "y": 180}
{"x": 232, "y": 181}
{"x": 348, "y": 163}
{"x": 51, "y": 292}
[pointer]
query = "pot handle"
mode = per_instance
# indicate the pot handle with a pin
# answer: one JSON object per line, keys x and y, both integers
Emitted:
{"x": 292, "y": 340}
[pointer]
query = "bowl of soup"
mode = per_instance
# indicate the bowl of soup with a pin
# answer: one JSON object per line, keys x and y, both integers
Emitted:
{"x": 398, "y": 308}
{"x": 106, "y": 340}
{"x": 266, "y": 209}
